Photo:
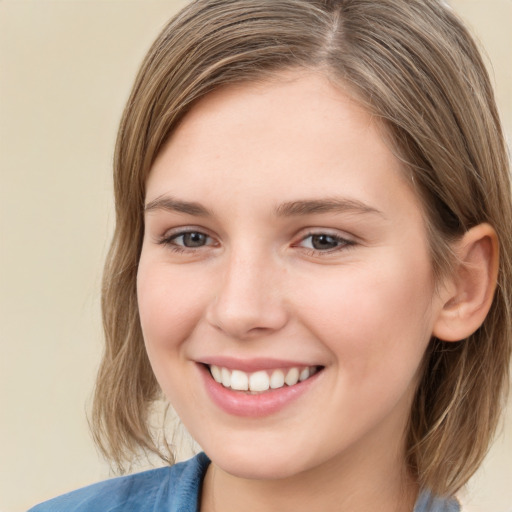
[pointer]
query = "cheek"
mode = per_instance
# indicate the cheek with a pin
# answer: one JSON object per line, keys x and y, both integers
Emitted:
{"x": 170, "y": 304}
{"x": 376, "y": 321}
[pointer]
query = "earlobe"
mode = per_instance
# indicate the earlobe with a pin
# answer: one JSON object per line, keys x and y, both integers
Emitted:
{"x": 469, "y": 292}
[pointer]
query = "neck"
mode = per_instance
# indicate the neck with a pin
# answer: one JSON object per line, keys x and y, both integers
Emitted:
{"x": 378, "y": 480}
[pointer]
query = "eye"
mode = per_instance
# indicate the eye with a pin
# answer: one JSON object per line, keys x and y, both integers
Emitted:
{"x": 191, "y": 239}
{"x": 324, "y": 242}
{"x": 187, "y": 240}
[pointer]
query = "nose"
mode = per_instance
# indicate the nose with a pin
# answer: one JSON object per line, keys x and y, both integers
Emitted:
{"x": 249, "y": 299}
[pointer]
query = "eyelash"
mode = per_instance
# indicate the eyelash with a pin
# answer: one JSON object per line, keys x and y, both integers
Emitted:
{"x": 168, "y": 241}
{"x": 342, "y": 243}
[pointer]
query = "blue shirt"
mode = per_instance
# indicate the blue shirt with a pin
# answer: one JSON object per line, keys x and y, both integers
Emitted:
{"x": 170, "y": 489}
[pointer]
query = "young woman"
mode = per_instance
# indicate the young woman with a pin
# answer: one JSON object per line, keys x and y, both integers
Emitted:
{"x": 312, "y": 261}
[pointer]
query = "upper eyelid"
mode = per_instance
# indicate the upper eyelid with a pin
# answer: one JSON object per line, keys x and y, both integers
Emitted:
{"x": 344, "y": 242}
{"x": 169, "y": 236}
{"x": 303, "y": 234}
{"x": 332, "y": 235}
{"x": 183, "y": 230}
{"x": 335, "y": 233}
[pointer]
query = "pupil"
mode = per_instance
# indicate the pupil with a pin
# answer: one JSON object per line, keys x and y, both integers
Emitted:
{"x": 323, "y": 242}
{"x": 194, "y": 239}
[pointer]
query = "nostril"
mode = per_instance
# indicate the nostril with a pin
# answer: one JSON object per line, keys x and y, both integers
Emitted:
{"x": 246, "y": 323}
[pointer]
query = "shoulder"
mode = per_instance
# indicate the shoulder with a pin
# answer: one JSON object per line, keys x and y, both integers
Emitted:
{"x": 427, "y": 502}
{"x": 152, "y": 490}
{"x": 109, "y": 495}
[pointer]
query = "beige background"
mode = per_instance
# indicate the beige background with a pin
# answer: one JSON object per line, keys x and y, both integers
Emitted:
{"x": 66, "y": 68}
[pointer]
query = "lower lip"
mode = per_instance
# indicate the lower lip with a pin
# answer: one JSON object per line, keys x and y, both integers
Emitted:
{"x": 240, "y": 403}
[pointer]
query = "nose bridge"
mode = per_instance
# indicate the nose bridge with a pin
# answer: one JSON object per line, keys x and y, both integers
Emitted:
{"x": 248, "y": 300}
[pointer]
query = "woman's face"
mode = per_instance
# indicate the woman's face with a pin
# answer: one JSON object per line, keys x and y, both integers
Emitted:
{"x": 282, "y": 241}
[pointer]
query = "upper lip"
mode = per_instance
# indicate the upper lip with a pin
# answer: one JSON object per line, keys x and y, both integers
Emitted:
{"x": 254, "y": 364}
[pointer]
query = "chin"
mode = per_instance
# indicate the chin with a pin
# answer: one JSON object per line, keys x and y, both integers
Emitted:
{"x": 258, "y": 464}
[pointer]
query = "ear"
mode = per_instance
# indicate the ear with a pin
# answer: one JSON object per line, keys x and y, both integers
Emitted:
{"x": 468, "y": 292}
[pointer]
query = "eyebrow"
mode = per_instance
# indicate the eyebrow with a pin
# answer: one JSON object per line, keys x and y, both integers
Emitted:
{"x": 288, "y": 209}
{"x": 175, "y": 205}
{"x": 327, "y": 205}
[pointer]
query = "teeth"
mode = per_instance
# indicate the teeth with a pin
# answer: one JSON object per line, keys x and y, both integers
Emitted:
{"x": 226, "y": 377}
{"x": 259, "y": 381}
{"x": 292, "y": 377}
{"x": 304, "y": 374}
{"x": 262, "y": 380}
{"x": 277, "y": 379}
{"x": 216, "y": 373}
{"x": 239, "y": 380}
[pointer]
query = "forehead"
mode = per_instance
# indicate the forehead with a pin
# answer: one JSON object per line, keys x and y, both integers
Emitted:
{"x": 283, "y": 108}
{"x": 296, "y": 135}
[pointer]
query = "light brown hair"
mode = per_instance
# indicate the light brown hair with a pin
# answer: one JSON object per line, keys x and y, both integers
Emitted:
{"x": 414, "y": 66}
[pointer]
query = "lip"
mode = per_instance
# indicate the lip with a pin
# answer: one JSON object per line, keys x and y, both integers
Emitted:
{"x": 253, "y": 365}
{"x": 240, "y": 403}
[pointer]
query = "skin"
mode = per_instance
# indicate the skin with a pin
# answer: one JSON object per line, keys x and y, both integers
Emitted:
{"x": 364, "y": 308}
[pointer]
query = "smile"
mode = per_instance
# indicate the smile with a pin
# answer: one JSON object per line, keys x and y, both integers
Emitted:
{"x": 263, "y": 380}
{"x": 256, "y": 388}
